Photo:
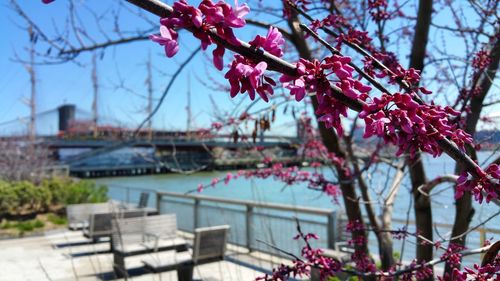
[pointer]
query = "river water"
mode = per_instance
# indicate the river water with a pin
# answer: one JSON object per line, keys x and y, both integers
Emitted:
{"x": 270, "y": 190}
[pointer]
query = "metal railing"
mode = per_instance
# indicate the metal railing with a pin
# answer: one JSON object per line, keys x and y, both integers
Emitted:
{"x": 130, "y": 194}
{"x": 273, "y": 223}
{"x": 247, "y": 215}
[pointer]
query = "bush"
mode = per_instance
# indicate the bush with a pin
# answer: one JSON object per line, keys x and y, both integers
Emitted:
{"x": 25, "y": 195}
{"x": 55, "y": 219}
{"x": 86, "y": 191}
{"x": 7, "y": 225}
{"x": 38, "y": 224}
{"x": 21, "y": 197}
{"x": 58, "y": 187}
{"x": 25, "y": 226}
{"x": 8, "y": 198}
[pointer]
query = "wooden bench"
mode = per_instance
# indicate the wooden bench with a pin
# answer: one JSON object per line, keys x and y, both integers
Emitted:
{"x": 100, "y": 223}
{"x": 78, "y": 214}
{"x": 137, "y": 236}
{"x": 209, "y": 245}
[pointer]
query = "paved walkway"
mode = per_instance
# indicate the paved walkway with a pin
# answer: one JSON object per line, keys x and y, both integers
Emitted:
{"x": 67, "y": 255}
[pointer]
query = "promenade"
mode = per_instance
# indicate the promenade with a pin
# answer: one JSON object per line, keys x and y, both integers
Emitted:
{"x": 66, "y": 255}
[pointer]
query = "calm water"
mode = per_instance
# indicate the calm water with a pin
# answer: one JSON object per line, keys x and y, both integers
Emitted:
{"x": 269, "y": 190}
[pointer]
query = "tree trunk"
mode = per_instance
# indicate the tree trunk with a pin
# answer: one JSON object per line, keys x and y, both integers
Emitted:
{"x": 463, "y": 207}
{"x": 329, "y": 138}
{"x": 422, "y": 207}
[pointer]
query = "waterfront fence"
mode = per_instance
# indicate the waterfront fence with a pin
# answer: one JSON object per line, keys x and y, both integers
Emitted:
{"x": 258, "y": 225}
{"x": 254, "y": 225}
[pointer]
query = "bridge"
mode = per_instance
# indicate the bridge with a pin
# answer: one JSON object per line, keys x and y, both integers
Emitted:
{"x": 89, "y": 150}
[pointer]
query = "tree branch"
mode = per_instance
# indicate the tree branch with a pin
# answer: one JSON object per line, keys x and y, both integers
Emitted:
{"x": 274, "y": 63}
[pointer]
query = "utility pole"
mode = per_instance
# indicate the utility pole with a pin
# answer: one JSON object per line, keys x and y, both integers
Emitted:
{"x": 149, "y": 83}
{"x": 95, "y": 87}
{"x": 31, "y": 70}
{"x": 188, "y": 107}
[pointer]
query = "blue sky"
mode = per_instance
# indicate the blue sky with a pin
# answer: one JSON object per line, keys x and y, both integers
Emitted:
{"x": 71, "y": 82}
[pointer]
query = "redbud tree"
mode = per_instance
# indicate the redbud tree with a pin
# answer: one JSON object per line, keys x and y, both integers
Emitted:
{"x": 345, "y": 60}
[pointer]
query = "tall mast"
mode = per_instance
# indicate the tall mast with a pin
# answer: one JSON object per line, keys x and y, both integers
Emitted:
{"x": 31, "y": 71}
{"x": 149, "y": 83}
{"x": 95, "y": 87}
{"x": 188, "y": 107}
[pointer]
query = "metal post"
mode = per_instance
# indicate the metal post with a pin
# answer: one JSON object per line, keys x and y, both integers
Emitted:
{"x": 158, "y": 202}
{"x": 196, "y": 206}
{"x": 332, "y": 221}
{"x": 248, "y": 227}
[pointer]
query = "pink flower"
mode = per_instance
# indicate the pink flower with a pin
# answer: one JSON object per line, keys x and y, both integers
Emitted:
{"x": 214, "y": 182}
{"x": 339, "y": 65}
{"x": 189, "y": 13}
{"x": 217, "y": 125}
{"x": 167, "y": 38}
{"x": 200, "y": 187}
{"x": 425, "y": 91}
{"x": 271, "y": 43}
{"x": 481, "y": 60}
{"x": 47, "y": 1}
{"x": 488, "y": 183}
{"x": 223, "y": 15}
{"x": 245, "y": 76}
{"x": 235, "y": 17}
{"x": 228, "y": 178}
{"x": 219, "y": 57}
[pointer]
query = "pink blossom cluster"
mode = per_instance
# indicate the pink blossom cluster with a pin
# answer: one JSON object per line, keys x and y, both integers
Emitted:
{"x": 481, "y": 60}
{"x": 313, "y": 76}
{"x": 394, "y": 71}
{"x": 272, "y": 43}
{"x": 419, "y": 272}
{"x": 362, "y": 262}
{"x": 399, "y": 120}
{"x": 453, "y": 255}
{"x": 220, "y": 17}
{"x": 332, "y": 20}
{"x": 326, "y": 266}
{"x": 478, "y": 273}
{"x": 488, "y": 183}
{"x": 313, "y": 259}
{"x": 246, "y": 75}
{"x": 289, "y": 175}
{"x": 354, "y": 36}
{"x": 378, "y": 10}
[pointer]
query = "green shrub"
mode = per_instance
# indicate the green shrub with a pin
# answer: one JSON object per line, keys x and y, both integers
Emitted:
{"x": 43, "y": 198}
{"x": 25, "y": 193}
{"x": 38, "y": 224}
{"x": 7, "y": 225}
{"x": 24, "y": 196}
{"x": 86, "y": 191}
{"x": 55, "y": 219}
{"x": 25, "y": 226}
{"x": 8, "y": 198}
{"x": 58, "y": 187}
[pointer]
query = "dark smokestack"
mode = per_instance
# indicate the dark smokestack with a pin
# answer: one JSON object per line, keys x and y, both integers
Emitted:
{"x": 66, "y": 115}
